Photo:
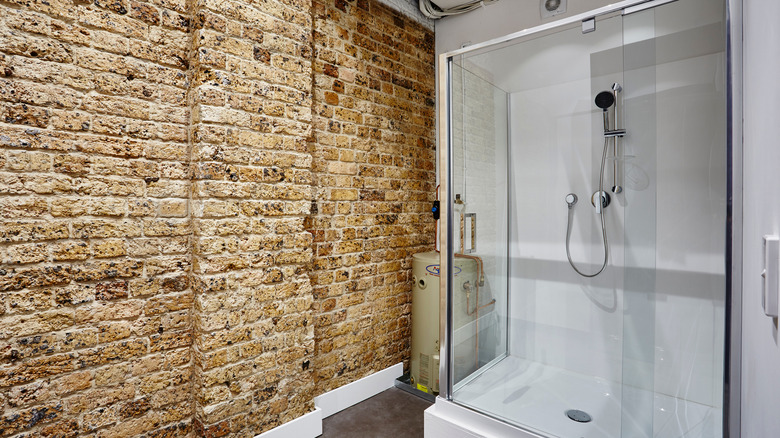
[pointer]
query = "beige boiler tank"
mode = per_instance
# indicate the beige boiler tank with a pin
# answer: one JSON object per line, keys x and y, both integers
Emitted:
{"x": 425, "y": 317}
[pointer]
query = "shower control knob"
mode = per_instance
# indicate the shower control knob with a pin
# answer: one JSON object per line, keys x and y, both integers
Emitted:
{"x": 600, "y": 199}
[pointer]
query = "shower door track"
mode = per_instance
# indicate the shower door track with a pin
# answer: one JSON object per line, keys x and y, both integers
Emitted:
{"x": 625, "y": 7}
{"x": 482, "y": 370}
{"x": 732, "y": 370}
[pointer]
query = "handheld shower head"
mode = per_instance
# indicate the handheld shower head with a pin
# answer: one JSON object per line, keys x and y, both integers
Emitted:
{"x": 605, "y": 99}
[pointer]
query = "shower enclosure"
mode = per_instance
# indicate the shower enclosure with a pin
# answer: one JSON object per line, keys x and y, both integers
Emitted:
{"x": 597, "y": 226}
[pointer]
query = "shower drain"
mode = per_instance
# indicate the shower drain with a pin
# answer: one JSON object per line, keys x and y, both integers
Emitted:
{"x": 578, "y": 416}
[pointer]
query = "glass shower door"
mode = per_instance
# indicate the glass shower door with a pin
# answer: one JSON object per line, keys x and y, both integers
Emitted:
{"x": 635, "y": 350}
{"x": 565, "y": 331}
{"x": 675, "y": 164}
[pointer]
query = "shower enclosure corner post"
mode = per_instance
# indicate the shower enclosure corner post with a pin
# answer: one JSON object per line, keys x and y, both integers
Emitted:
{"x": 734, "y": 112}
{"x": 446, "y": 234}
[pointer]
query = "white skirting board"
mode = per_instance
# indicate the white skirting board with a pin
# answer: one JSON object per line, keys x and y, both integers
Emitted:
{"x": 307, "y": 425}
{"x": 310, "y": 425}
{"x": 353, "y": 393}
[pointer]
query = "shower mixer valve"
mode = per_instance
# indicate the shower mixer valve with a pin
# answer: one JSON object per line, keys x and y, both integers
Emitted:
{"x": 600, "y": 199}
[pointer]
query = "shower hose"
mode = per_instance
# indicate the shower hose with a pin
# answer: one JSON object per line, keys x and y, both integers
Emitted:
{"x": 601, "y": 216}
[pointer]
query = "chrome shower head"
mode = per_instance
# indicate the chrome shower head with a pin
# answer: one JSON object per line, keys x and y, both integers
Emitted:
{"x": 605, "y": 99}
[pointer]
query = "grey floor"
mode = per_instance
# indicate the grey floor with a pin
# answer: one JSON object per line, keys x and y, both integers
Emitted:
{"x": 389, "y": 414}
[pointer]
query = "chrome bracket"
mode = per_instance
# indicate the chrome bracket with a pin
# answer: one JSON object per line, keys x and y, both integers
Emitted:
{"x": 589, "y": 25}
{"x": 615, "y": 133}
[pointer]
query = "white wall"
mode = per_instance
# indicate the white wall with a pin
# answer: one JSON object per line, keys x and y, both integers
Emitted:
{"x": 760, "y": 350}
{"x": 498, "y": 19}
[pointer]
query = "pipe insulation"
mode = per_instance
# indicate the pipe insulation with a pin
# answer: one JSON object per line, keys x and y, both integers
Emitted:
{"x": 431, "y": 10}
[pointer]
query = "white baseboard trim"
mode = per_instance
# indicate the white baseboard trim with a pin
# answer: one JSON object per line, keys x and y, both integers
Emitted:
{"x": 307, "y": 425}
{"x": 310, "y": 425}
{"x": 353, "y": 393}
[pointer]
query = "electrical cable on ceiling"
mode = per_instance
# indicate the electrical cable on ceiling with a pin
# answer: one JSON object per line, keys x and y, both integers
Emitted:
{"x": 430, "y": 10}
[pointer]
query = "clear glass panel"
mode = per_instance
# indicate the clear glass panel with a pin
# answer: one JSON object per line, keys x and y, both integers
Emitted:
{"x": 638, "y": 347}
{"x": 675, "y": 220}
{"x": 479, "y": 136}
{"x": 565, "y": 331}
{"x": 637, "y": 162}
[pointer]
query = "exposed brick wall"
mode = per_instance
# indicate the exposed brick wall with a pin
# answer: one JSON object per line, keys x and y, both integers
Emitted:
{"x": 162, "y": 179}
{"x": 374, "y": 170}
{"x": 253, "y": 330}
{"x": 94, "y": 186}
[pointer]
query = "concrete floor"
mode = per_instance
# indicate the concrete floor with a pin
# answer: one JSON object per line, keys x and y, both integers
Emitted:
{"x": 389, "y": 414}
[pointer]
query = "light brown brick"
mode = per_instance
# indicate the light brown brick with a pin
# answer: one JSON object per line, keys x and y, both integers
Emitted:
{"x": 191, "y": 190}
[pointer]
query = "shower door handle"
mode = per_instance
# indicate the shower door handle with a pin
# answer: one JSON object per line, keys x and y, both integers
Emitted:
{"x": 470, "y": 223}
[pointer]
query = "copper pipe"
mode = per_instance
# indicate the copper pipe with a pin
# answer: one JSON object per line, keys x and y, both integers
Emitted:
{"x": 477, "y": 307}
{"x": 462, "y": 231}
{"x": 476, "y": 328}
{"x": 480, "y": 281}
